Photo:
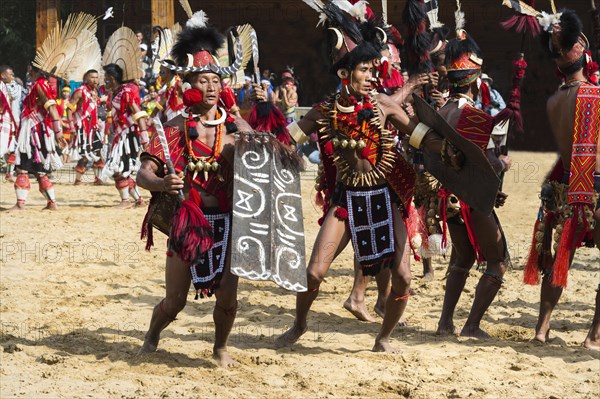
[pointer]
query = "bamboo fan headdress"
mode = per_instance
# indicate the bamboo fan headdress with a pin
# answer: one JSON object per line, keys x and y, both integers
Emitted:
{"x": 64, "y": 50}
{"x": 123, "y": 49}
{"x": 91, "y": 57}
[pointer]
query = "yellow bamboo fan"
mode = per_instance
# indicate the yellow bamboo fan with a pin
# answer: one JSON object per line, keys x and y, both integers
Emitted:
{"x": 63, "y": 50}
{"x": 123, "y": 49}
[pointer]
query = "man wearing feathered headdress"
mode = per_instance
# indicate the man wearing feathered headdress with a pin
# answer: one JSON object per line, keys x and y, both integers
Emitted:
{"x": 41, "y": 127}
{"x": 122, "y": 68}
{"x": 170, "y": 102}
{"x": 571, "y": 194}
{"x": 476, "y": 236}
{"x": 86, "y": 128}
{"x": 364, "y": 187}
{"x": 36, "y": 152}
{"x": 200, "y": 142}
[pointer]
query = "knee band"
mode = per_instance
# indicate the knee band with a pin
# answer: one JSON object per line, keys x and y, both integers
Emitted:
{"x": 22, "y": 182}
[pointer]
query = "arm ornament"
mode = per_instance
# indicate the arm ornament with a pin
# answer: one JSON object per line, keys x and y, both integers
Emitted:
{"x": 139, "y": 115}
{"x": 48, "y": 104}
{"x": 418, "y": 134}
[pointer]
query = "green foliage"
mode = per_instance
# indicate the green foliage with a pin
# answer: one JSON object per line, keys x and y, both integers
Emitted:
{"x": 17, "y": 34}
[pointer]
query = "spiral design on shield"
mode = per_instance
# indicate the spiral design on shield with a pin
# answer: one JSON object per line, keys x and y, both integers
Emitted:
{"x": 291, "y": 263}
{"x": 244, "y": 247}
{"x": 254, "y": 160}
{"x": 285, "y": 175}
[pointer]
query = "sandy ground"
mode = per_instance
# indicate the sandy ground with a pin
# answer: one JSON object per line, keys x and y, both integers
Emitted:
{"x": 77, "y": 290}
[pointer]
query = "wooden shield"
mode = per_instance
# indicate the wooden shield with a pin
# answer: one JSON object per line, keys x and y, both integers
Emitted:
{"x": 268, "y": 225}
{"x": 476, "y": 183}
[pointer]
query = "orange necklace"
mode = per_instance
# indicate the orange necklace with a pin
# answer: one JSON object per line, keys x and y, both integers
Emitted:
{"x": 203, "y": 164}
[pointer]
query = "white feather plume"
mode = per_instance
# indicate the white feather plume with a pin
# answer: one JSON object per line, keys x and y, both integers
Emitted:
{"x": 432, "y": 14}
{"x": 317, "y": 5}
{"x": 357, "y": 10}
{"x": 546, "y": 20}
{"x": 198, "y": 20}
{"x": 459, "y": 17}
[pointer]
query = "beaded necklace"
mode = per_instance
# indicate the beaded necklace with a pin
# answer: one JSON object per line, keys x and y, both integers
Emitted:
{"x": 204, "y": 163}
{"x": 380, "y": 142}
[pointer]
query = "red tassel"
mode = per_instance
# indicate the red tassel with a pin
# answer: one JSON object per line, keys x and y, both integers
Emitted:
{"x": 147, "y": 229}
{"x": 414, "y": 226}
{"x": 443, "y": 194}
{"x": 531, "y": 274}
{"x": 563, "y": 254}
{"x": 227, "y": 97}
{"x": 269, "y": 119}
{"x": 486, "y": 97}
{"x": 466, "y": 214}
{"x": 424, "y": 231}
{"x": 191, "y": 234}
{"x": 341, "y": 213}
{"x": 319, "y": 199}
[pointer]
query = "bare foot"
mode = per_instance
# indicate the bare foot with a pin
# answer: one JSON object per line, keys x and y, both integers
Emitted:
{"x": 381, "y": 313}
{"x": 18, "y": 207}
{"x": 542, "y": 334}
{"x": 594, "y": 345}
{"x": 447, "y": 329}
{"x": 51, "y": 206}
{"x": 125, "y": 204}
{"x": 359, "y": 311}
{"x": 139, "y": 203}
{"x": 9, "y": 178}
{"x": 77, "y": 182}
{"x": 221, "y": 356}
{"x": 427, "y": 277}
{"x": 149, "y": 346}
{"x": 290, "y": 337}
{"x": 474, "y": 332}
{"x": 383, "y": 345}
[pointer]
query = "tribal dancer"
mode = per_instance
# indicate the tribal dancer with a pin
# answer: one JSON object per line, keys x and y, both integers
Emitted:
{"x": 8, "y": 125}
{"x": 36, "y": 148}
{"x": 570, "y": 196}
{"x": 125, "y": 115}
{"x": 475, "y": 236}
{"x": 201, "y": 146}
{"x": 368, "y": 186}
{"x": 87, "y": 135}
{"x": 41, "y": 128}
{"x": 170, "y": 102}
{"x": 14, "y": 93}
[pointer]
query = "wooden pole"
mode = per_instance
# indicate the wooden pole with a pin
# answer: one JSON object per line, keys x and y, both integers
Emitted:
{"x": 46, "y": 16}
{"x": 163, "y": 13}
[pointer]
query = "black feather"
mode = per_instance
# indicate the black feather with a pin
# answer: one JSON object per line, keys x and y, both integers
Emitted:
{"x": 456, "y": 48}
{"x": 418, "y": 39}
{"x": 192, "y": 40}
{"x": 571, "y": 27}
{"x": 339, "y": 18}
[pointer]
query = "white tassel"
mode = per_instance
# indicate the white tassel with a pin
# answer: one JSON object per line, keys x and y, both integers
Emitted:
{"x": 198, "y": 20}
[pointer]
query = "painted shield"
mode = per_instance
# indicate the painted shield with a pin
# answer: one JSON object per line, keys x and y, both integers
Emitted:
{"x": 475, "y": 183}
{"x": 268, "y": 227}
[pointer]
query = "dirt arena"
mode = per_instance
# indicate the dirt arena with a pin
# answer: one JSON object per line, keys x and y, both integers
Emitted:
{"x": 77, "y": 290}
